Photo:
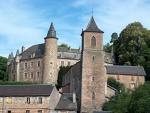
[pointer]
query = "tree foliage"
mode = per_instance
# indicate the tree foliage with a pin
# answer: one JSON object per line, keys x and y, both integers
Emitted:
{"x": 64, "y": 45}
{"x": 115, "y": 84}
{"x": 114, "y": 37}
{"x": 3, "y": 68}
{"x": 132, "y": 47}
{"x": 107, "y": 48}
{"x": 137, "y": 101}
{"x": 62, "y": 71}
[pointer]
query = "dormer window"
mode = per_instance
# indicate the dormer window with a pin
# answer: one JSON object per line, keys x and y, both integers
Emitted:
{"x": 93, "y": 42}
{"x": 32, "y": 55}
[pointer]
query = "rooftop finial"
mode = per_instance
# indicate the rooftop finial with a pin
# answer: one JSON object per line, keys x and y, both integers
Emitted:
{"x": 92, "y": 12}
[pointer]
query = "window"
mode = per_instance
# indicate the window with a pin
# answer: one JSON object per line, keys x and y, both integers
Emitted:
{"x": 28, "y": 100}
{"x": 31, "y": 74}
{"x": 75, "y": 56}
{"x": 69, "y": 63}
{"x": 9, "y": 111}
{"x": 39, "y": 63}
{"x": 32, "y": 64}
{"x": 62, "y": 63}
{"x": 1, "y": 99}
{"x": 25, "y": 75}
{"x": 138, "y": 78}
{"x": 93, "y": 59}
{"x": 9, "y": 100}
{"x": 93, "y": 78}
{"x": 93, "y": 41}
{"x": 132, "y": 85}
{"x": 39, "y": 111}
{"x": 25, "y": 65}
{"x": 132, "y": 78}
{"x": 118, "y": 77}
{"x": 27, "y": 111}
{"x": 40, "y": 100}
{"x": 93, "y": 96}
{"x": 38, "y": 74}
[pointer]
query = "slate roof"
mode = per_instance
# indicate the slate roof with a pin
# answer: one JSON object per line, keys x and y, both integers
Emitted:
{"x": 126, "y": 70}
{"x": 51, "y": 33}
{"x": 37, "y": 51}
{"x": 25, "y": 90}
{"x": 66, "y": 103}
{"x": 92, "y": 27}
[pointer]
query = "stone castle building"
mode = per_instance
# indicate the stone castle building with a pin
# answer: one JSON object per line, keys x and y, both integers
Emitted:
{"x": 40, "y": 63}
{"x": 87, "y": 77}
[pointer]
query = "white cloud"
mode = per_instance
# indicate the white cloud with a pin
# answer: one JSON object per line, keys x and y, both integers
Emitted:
{"x": 114, "y": 15}
{"x": 23, "y": 26}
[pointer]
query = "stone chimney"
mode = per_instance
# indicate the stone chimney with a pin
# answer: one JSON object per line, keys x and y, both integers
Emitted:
{"x": 23, "y": 49}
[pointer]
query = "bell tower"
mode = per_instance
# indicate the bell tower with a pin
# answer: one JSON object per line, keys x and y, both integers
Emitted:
{"x": 50, "y": 57}
{"x": 93, "y": 70}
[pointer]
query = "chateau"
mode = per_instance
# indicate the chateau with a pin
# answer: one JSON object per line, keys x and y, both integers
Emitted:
{"x": 85, "y": 86}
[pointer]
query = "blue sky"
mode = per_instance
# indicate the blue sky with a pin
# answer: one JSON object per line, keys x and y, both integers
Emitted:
{"x": 26, "y": 22}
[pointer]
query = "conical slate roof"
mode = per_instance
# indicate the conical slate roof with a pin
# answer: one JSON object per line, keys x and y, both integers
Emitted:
{"x": 17, "y": 52}
{"x": 51, "y": 32}
{"x": 92, "y": 27}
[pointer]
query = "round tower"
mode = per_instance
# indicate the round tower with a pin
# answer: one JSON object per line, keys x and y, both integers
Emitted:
{"x": 50, "y": 57}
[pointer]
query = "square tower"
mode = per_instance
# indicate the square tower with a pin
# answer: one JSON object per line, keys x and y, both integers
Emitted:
{"x": 93, "y": 70}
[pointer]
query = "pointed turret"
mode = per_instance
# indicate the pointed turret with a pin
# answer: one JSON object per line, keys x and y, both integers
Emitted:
{"x": 17, "y": 52}
{"x": 92, "y": 27}
{"x": 51, "y": 33}
{"x": 11, "y": 55}
{"x": 50, "y": 57}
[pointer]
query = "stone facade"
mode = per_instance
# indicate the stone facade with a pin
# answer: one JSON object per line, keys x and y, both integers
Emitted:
{"x": 93, "y": 72}
{"x": 129, "y": 81}
{"x": 34, "y": 103}
{"x": 40, "y": 63}
{"x": 87, "y": 77}
{"x": 50, "y": 71}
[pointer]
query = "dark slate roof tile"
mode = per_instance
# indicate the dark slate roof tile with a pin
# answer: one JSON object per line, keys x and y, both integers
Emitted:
{"x": 66, "y": 103}
{"x": 126, "y": 70}
{"x": 37, "y": 51}
{"x": 92, "y": 27}
{"x": 25, "y": 90}
{"x": 51, "y": 33}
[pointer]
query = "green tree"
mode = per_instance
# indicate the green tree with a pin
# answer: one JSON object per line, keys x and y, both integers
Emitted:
{"x": 107, "y": 48}
{"x": 140, "y": 99}
{"x": 114, "y": 37}
{"x": 64, "y": 45}
{"x": 3, "y": 68}
{"x": 115, "y": 84}
{"x": 137, "y": 101}
{"x": 133, "y": 46}
{"x": 62, "y": 71}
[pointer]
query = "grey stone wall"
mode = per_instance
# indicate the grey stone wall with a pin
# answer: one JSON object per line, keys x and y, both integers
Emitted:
{"x": 31, "y": 70}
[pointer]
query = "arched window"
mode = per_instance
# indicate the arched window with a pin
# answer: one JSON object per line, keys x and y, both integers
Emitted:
{"x": 93, "y": 59}
{"x": 93, "y": 41}
{"x": 93, "y": 96}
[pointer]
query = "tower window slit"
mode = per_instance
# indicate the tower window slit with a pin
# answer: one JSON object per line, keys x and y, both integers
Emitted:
{"x": 93, "y": 41}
